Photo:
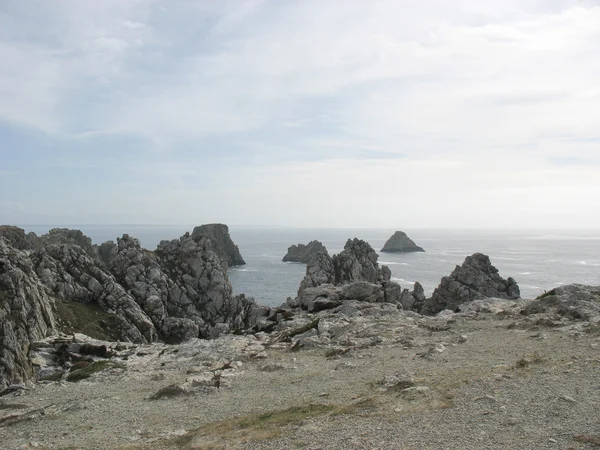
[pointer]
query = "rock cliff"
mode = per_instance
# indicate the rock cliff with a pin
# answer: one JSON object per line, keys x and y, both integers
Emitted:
{"x": 399, "y": 242}
{"x": 302, "y": 253}
{"x": 63, "y": 282}
{"x": 222, "y": 244}
{"x": 26, "y": 314}
{"x": 477, "y": 278}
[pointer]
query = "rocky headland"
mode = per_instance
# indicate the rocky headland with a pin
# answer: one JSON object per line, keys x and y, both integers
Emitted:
{"x": 302, "y": 253}
{"x": 149, "y": 350}
{"x": 399, "y": 242}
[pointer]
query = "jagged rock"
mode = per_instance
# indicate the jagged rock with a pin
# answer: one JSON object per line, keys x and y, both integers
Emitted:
{"x": 412, "y": 300}
{"x": 25, "y": 314}
{"x": 319, "y": 271}
{"x": 399, "y": 242}
{"x": 477, "y": 278}
{"x": 72, "y": 237}
{"x": 353, "y": 274}
{"x": 222, "y": 244}
{"x": 17, "y": 239}
{"x": 71, "y": 274}
{"x": 358, "y": 262}
{"x": 576, "y": 301}
{"x": 183, "y": 284}
{"x": 303, "y": 253}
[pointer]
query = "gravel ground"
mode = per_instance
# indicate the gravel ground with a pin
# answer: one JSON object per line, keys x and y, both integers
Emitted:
{"x": 476, "y": 383}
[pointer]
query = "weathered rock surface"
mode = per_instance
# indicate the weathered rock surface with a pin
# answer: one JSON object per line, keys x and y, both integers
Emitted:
{"x": 183, "y": 287}
{"x": 399, "y": 242}
{"x": 576, "y": 301}
{"x": 222, "y": 244}
{"x": 358, "y": 262}
{"x": 353, "y": 274}
{"x": 16, "y": 238}
{"x": 319, "y": 271}
{"x": 303, "y": 253}
{"x": 25, "y": 314}
{"x": 477, "y": 278}
{"x": 412, "y": 300}
{"x": 61, "y": 281}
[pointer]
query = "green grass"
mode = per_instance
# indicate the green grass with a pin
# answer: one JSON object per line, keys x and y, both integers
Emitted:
{"x": 89, "y": 319}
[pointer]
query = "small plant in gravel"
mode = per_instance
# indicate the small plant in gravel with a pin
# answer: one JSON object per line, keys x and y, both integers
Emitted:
{"x": 525, "y": 362}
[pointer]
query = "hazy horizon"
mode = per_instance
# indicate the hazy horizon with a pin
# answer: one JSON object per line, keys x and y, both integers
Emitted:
{"x": 312, "y": 114}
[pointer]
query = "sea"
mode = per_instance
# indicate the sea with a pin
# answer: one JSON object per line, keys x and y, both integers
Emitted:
{"x": 538, "y": 260}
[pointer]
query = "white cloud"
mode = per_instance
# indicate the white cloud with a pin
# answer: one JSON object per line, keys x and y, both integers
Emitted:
{"x": 414, "y": 109}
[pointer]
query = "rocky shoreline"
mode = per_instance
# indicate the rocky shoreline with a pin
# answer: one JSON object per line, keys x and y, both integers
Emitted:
{"x": 111, "y": 335}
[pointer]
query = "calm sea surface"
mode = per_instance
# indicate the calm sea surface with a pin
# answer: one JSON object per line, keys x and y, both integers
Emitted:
{"x": 538, "y": 260}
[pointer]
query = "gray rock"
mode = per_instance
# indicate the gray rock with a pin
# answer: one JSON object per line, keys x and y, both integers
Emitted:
{"x": 357, "y": 262}
{"x": 399, "y": 242}
{"x": 411, "y": 300}
{"x": 575, "y": 301}
{"x": 17, "y": 239}
{"x": 303, "y": 253}
{"x": 222, "y": 244}
{"x": 476, "y": 279}
{"x": 26, "y": 314}
{"x": 319, "y": 271}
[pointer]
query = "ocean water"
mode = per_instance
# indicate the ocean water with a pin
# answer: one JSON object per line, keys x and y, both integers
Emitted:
{"x": 538, "y": 260}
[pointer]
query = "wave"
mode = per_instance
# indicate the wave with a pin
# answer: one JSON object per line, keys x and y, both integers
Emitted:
{"x": 393, "y": 263}
{"x": 525, "y": 273}
{"x": 401, "y": 280}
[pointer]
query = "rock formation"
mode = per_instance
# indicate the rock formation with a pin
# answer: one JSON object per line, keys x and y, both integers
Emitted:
{"x": 477, "y": 278}
{"x": 17, "y": 239}
{"x": 25, "y": 314}
{"x": 399, "y": 242}
{"x": 222, "y": 244}
{"x": 575, "y": 301}
{"x": 302, "y": 253}
{"x": 62, "y": 282}
{"x": 353, "y": 274}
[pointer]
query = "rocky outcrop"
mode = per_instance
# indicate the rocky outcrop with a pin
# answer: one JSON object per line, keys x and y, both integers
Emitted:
{"x": 26, "y": 314}
{"x": 358, "y": 262}
{"x": 222, "y": 244}
{"x": 353, "y": 274}
{"x": 399, "y": 242}
{"x": 183, "y": 287}
{"x": 17, "y": 239}
{"x": 412, "y": 300}
{"x": 303, "y": 253}
{"x": 477, "y": 278}
{"x": 319, "y": 271}
{"x": 71, "y": 237}
{"x": 576, "y": 301}
{"x": 71, "y": 274}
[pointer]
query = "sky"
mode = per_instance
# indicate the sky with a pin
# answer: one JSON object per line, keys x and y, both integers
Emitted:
{"x": 305, "y": 113}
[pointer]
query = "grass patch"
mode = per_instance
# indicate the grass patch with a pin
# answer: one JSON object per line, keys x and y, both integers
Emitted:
{"x": 546, "y": 294}
{"x": 90, "y": 369}
{"x": 89, "y": 319}
{"x": 234, "y": 432}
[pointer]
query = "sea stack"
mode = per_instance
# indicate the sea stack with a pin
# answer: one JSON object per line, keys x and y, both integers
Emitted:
{"x": 303, "y": 253}
{"x": 400, "y": 243}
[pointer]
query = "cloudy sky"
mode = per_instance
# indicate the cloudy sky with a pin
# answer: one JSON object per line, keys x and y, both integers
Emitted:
{"x": 324, "y": 113}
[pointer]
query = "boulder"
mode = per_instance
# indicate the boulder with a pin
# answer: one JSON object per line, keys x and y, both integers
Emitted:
{"x": 71, "y": 237}
{"x": 303, "y": 253}
{"x": 222, "y": 244}
{"x": 399, "y": 242}
{"x": 477, "y": 278}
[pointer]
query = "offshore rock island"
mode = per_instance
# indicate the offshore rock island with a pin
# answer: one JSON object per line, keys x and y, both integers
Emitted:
{"x": 154, "y": 350}
{"x": 399, "y": 242}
